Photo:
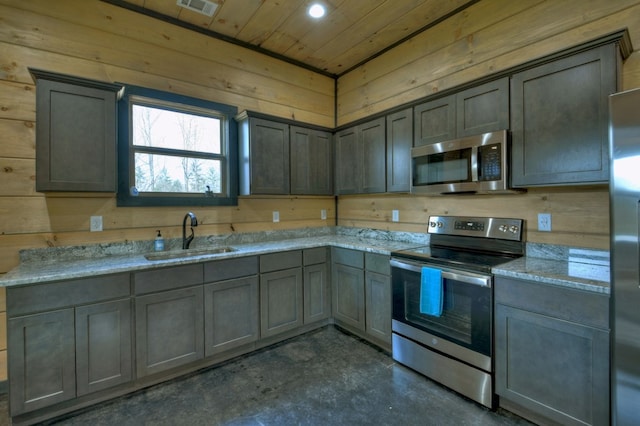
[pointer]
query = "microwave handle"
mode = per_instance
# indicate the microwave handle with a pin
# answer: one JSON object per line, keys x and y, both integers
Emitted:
{"x": 474, "y": 164}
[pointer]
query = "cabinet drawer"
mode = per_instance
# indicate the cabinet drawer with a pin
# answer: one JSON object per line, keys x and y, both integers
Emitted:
{"x": 230, "y": 268}
{"x": 348, "y": 257}
{"x": 279, "y": 261}
{"x": 168, "y": 278}
{"x": 377, "y": 263}
{"x": 573, "y": 305}
{"x": 44, "y": 297}
{"x": 314, "y": 256}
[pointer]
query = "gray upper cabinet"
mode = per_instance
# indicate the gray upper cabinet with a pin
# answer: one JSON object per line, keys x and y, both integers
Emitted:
{"x": 311, "y": 161}
{"x": 559, "y": 114}
{"x": 399, "y": 143}
{"x": 281, "y": 159}
{"x": 361, "y": 158}
{"x": 552, "y": 352}
{"x": 476, "y": 110}
{"x": 76, "y": 129}
{"x": 264, "y": 157}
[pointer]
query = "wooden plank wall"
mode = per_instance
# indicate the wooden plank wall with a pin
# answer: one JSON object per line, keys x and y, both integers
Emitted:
{"x": 490, "y": 36}
{"x": 92, "y": 39}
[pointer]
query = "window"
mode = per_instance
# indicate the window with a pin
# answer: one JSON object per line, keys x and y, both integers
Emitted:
{"x": 175, "y": 150}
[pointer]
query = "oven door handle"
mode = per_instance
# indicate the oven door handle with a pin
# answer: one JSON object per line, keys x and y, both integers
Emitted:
{"x": 450, "y": 274}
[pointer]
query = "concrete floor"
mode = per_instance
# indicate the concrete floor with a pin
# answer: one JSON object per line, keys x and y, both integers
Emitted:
{"x": 322, "y": 378}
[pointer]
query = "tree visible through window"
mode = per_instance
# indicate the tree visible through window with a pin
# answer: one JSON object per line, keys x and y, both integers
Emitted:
{"x": 176, "y": 150}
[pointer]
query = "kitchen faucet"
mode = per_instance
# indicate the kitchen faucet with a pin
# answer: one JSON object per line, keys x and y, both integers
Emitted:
{"x": 194, "y": 222}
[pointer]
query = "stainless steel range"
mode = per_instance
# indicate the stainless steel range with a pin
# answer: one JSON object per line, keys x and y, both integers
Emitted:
{"x": 443, "y": 301}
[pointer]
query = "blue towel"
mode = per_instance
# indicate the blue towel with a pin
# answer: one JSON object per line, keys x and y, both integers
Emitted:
{"x": 431, "y": 292}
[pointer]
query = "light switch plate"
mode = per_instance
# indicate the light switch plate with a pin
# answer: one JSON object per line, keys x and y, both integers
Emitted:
{"x": 276, "y": 216}
{"x": 395, "y": 215}
{"x": 544, "y": 222}
{"x": 323, "y": 214}
{"x": 95, "y": 224}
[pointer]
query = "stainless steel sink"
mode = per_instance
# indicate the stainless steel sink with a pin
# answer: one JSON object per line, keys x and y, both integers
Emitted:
{"x": 181, "y": 254}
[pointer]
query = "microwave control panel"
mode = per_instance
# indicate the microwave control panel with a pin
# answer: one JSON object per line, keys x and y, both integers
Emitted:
{"x": 489, "y": 162}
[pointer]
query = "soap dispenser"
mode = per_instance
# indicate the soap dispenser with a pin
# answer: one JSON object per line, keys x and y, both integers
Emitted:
{"x": 159, "y": 244}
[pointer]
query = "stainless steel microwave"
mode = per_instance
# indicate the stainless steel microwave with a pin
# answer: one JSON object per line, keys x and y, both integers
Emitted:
{"x": 474, "y": 164}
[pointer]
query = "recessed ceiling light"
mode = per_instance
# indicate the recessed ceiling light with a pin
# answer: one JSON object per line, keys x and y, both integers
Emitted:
{"x": 316, "y": 10}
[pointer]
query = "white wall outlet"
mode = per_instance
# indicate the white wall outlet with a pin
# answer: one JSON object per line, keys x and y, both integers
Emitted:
{"x": 544, "y": 222}
{"x": 395, "y": 215}
{"x": 95, "y": 224}
{"x": 323, "y": 214}
{"x": 276, "y": 216}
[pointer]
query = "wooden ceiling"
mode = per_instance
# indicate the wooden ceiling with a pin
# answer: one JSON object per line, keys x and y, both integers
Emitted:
{"x": 351, "y": 33}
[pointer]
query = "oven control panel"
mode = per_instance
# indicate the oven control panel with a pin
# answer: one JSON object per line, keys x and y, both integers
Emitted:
{"x": 487, "y": 227}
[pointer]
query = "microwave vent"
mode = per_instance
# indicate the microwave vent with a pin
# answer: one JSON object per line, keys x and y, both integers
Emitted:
{"x": 204, "y": 7}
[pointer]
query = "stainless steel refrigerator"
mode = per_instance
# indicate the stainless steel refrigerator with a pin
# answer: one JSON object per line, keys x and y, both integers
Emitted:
{"x": 624, "y": 136}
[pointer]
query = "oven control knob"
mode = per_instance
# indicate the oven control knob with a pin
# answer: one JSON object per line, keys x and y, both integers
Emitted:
{"x": 503, "y": 228}
{"x": 514, "y": 229}
{"x": 432, "y": 224}
{"x": 440, "y": 224}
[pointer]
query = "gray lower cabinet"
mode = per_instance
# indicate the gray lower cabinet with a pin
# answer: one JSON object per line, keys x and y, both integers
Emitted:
{"x": 169, "y": 318}
{"x": 41, "y": 356}
{"x": 103, "y": 345}
{"x": 67, "y": 339}
{"x": 231, "y": 305}
{"x": 169, "y": 330}
{"x": 317, "y": 282}
{"x": 361, "y": 289}
{"x": 560, "y": 113}
{"x": 281, "y": 288}
{"x": 552, "y": 352}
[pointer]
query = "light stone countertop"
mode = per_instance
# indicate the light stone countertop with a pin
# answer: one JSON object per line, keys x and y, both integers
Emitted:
{"x": 41, "y": 269}
{"x": 581, "y": 269}
{"x": 557, "y": 265}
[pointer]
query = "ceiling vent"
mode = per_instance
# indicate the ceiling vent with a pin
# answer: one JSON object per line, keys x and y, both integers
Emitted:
{"x": 201, "y": 6}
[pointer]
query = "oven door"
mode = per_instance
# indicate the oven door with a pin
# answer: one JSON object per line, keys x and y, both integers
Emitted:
{"x": 467, "y": 313}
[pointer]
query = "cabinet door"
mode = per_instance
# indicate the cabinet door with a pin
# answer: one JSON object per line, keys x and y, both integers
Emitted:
{"x": 41, "y": 360}
{"x": 559, "y": 114}
{"x": 374, "y": 151}
{"x": 169, "y": 330}
{"x": 483, "y": 108}
{"x": 269, "y": 160}
{"x": 103, "y": 345}
{"x": 434, "y": 121}
{"x": 348, "y": 295}
{"x": 552, "y": 367}
{"x": 281, "y": 301}
{"x": 348, "y": 171}
{"x": 378, "y": 306}
{"x": 317, "y": 305}
{"x": 399, "y": 143}
{"x": 230, "y": 314}
{"x": 76, "y": 120}
{"x": 311, "y": 162}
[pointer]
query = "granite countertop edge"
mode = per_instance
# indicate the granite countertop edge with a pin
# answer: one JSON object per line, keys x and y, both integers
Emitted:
{"x": 33, "y": 272}
{"x": 554, "y": 265}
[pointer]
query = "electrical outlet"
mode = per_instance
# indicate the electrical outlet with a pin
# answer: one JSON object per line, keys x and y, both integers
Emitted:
{"x": 95, "y": 223}
{"x": 544, "y": 222}
{"x": 276, "y": 216}
{"x": 323, "y": 214}
{"x": 395, "y": 215}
